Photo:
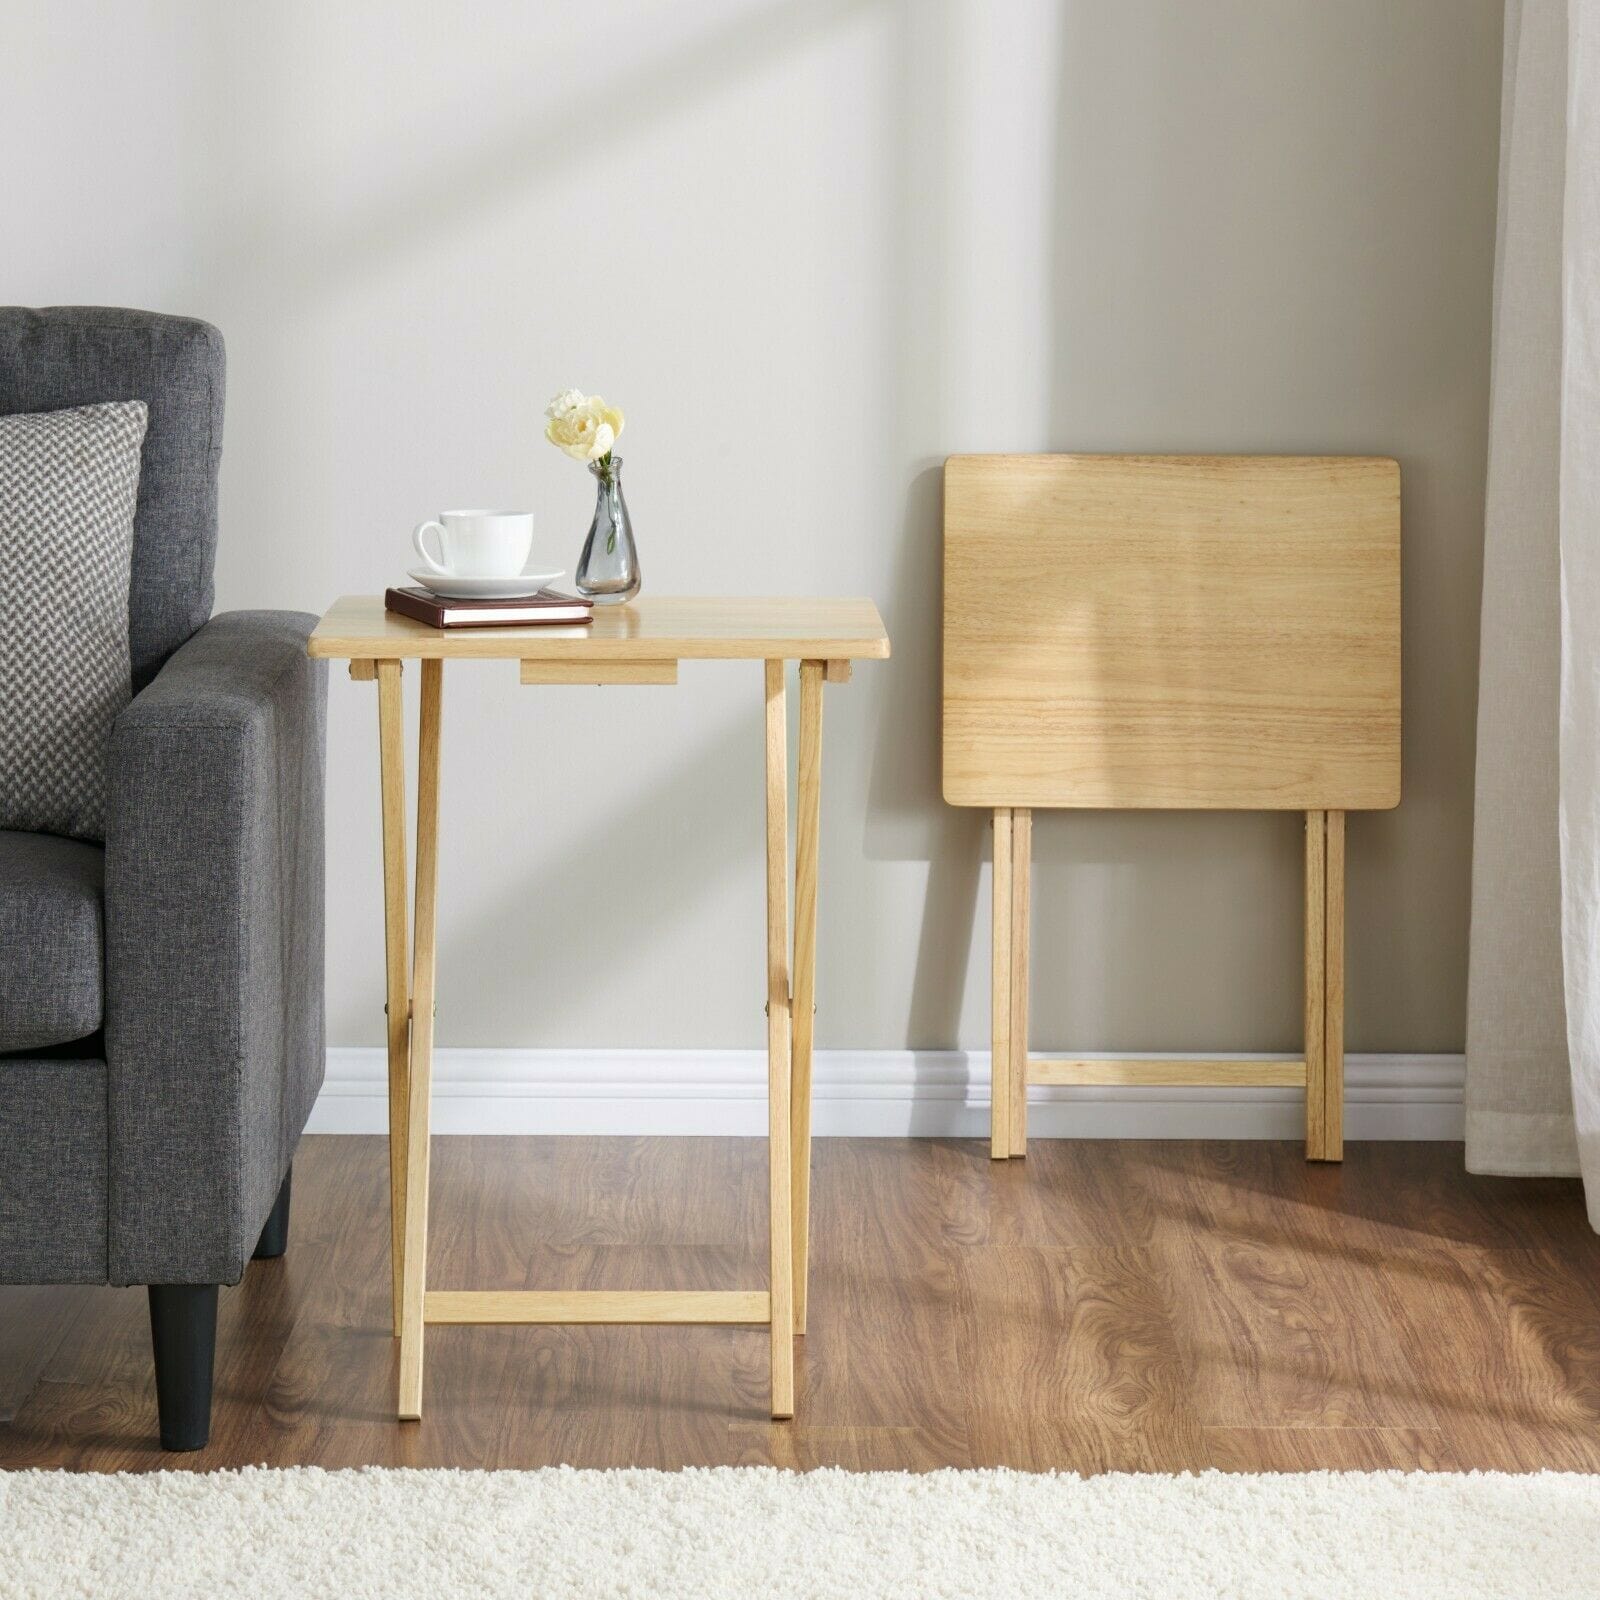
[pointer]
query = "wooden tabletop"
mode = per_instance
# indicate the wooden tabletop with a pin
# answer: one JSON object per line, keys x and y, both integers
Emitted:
{"x": 654, "y": 628}
{"x": 1186, "y": 632}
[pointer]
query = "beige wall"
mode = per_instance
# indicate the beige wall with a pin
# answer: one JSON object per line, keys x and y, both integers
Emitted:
{"x": 811, "y": 247}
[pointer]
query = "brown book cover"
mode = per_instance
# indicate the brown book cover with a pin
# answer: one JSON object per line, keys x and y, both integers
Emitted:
{"x": 548, "y": 608}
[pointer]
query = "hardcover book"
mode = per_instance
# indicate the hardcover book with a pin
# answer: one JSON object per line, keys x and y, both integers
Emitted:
{"x": 548, "y": 607}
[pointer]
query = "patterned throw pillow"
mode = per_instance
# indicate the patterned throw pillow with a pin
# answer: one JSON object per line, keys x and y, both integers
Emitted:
{"x": 69, "y": 482}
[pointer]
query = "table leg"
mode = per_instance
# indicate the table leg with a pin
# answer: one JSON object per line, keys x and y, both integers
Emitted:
{"x": 1021, "y": 944}
{"x": 414, "y": 1281}
{"x": 779, "y": 1200}
{"x": 1316, "y": 981}
{"x": 1333, "y": 994}
{"x": 392, "y": 771}
{"x": 1000, "y": 992}
{"x": 808, "y": 816}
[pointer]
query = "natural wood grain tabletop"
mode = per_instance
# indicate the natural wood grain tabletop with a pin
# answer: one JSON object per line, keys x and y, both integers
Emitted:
{"x": 654, "y": 628}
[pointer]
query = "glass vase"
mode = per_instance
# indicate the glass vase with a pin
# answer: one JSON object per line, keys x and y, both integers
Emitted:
{"x": 608, "y": 570}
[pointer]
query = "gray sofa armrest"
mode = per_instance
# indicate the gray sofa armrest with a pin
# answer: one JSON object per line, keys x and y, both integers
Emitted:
{"x": 214, "y": 952}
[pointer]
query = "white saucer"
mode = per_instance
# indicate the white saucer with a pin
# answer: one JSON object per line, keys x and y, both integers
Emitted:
{"x": 518, "y": 588}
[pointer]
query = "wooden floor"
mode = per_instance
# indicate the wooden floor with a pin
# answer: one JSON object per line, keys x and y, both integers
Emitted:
{"x": 1147, "y": 1307}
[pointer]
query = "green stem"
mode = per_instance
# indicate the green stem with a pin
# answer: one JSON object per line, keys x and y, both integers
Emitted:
{"x": 607, "y": 476}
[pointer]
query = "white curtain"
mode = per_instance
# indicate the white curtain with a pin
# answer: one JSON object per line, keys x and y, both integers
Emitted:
{"x": 1533, "y": 1023}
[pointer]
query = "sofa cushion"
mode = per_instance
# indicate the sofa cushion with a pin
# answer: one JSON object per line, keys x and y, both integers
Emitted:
{"x": 69, "y": 481}
{"x": 52, "y": 949}
{"x": 77, "y": 355}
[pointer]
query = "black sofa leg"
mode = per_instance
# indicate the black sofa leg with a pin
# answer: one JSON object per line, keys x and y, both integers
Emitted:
{"x": 183, "y": 1330}
{"x": 274, "y": 1238}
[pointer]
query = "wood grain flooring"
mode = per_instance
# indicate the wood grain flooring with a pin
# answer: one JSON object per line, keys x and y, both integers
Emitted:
{"x": 1100, "y": 1306}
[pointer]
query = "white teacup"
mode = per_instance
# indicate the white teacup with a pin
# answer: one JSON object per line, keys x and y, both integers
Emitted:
{"x": 477, "y": 544}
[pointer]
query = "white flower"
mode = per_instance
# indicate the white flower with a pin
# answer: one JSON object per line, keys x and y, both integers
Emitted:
{"x": 582, "y": 425}
{"x": 564, "y": 404}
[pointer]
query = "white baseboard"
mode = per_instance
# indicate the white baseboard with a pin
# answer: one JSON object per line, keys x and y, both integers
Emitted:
{"x": 861, "y": 1093}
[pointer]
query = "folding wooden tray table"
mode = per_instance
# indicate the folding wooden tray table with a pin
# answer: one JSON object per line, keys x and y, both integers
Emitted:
{"x": 1172, "y": 632}
{"x": 640, "y": 643}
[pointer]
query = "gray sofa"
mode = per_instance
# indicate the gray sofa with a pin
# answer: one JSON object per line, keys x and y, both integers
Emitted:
{"x": 161, "y": 1017}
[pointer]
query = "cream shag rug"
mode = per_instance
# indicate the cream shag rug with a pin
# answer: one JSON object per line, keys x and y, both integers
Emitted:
{"x": 757, "y": 1534}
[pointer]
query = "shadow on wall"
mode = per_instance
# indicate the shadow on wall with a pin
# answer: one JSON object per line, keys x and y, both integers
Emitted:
{"x": 912, "y": 781}
{"x": 555, "y": 140}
